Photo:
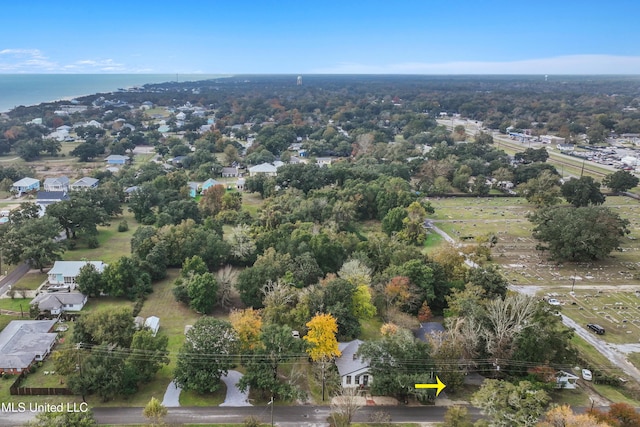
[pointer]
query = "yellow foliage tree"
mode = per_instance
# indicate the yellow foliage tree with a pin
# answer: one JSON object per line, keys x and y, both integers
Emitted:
{"x": 322, "y": 337}
{"x": 248, "y": 324}
{"x": 563, "y": 416}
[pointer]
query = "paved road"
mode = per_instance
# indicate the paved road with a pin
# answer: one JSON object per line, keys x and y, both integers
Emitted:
{"x": 299, "y": 416}
{"x": 13, "y": 277}
{"x": 607, "y": 350}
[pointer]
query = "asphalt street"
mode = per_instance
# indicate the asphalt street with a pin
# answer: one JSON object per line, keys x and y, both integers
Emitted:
{"x": 301, "y": 416}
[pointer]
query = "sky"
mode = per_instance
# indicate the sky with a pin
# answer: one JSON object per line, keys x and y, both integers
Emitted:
{"x": 320, "y": 37}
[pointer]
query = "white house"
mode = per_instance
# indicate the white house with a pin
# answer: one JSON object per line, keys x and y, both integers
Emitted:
{"x": 265, "y": 169}
{"x": 84, "y": 183}
{"x": 324, "y": 161}
{"x": 60, "y": 302}
{"x": 152, "y": 323}
{"x": 354, "y": 372}
{"x": 566, "y": 380}
{"x": 60, "y": 183}
{"x": 63, "y": 274}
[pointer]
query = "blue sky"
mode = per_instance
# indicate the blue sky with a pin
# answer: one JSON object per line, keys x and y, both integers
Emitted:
{"x": 307, "y": 37}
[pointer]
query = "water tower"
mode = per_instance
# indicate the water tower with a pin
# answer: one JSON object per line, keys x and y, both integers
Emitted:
{"x": 299, "y": 82}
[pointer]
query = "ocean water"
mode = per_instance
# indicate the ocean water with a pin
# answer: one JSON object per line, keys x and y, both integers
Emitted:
{"x": 33, "y": 89}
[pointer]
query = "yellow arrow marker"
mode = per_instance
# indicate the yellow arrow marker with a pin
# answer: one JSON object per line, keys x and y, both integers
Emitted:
{"x": 439, "y": 386}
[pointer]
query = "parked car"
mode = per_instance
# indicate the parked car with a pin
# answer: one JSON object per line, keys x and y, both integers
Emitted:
{"x": 553, "y": 301}
{"x": 586, "y": 375}
{"x": 596, "y": 328}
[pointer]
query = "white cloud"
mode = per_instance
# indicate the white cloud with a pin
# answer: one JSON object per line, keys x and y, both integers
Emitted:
{"x": 570, "y": 64}
{"x": 35, "y": 61}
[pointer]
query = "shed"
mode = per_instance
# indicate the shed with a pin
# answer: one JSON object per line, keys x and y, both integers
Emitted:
{"x": 152, "y": 323}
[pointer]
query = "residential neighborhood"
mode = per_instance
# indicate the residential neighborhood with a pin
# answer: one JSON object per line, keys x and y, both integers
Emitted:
{"x": 236, "y": 245}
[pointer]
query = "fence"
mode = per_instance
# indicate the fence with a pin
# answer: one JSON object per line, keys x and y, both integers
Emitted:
{"x": 16, "y": 390}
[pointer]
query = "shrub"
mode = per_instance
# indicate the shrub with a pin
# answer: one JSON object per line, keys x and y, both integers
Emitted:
{"x": 123, "y": 226}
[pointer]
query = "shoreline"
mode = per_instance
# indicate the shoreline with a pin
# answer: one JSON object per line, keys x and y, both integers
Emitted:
{"x": 17, "y": 84}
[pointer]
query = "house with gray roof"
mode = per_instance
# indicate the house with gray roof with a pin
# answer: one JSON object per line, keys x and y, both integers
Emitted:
{"x": 59, "y": 302}
{"x": 210, "y": 183}
{"x": 264, "y": 168}
{"x": 84, "y": 183}
{"x": 354, "y": 372}
{"x": 63, "y": 274}
{"x": 117, "y": 159}
{"x": 25, "y": 185}
{"x": 24, "y": 342}
{"x": 60, "y": 183}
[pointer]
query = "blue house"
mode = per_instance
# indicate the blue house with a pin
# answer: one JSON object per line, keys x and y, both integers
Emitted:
{"x": 116, "y": 159}
{"x": 210, "y": 183}
{"x": 25, "y": 185}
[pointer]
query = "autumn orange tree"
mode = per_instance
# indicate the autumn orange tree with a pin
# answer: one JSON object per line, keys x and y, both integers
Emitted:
{"x": 248, "y": 324}
{"x": 322, "y": 341}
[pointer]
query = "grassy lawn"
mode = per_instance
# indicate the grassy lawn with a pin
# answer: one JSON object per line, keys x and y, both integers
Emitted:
{"x": 113, "y": 244}
{"x": 616, "y": 311}
{"x": 576, "y": 397}
{"x": 614, "y": 394}
{"x": 191, "y": 398}
{"x": 31, "y": 280}
{"x": 14, "y": 304}
{"x": 39, "y": 379}
{"x": 105, "y": 303}
{"x": 251, "y": 202}
{"x": 173, "y": 318}
{"x": 635, "y": 359}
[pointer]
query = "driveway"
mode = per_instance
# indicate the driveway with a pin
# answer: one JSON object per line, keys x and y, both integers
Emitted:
{"x": 172, "y": 396}
{"x": 234, "y": 396}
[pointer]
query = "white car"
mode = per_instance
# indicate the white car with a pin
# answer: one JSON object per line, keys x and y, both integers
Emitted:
{"x": 553, "y": 301}
{"x": 586, "y": 375}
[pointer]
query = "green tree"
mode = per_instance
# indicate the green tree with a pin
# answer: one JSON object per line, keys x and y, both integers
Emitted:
{"x": 202, "y": 290}
{"x": 510, "y": 405}
{"x": 113, "y": 326}
{"x": 63, "y": 419}
{"x": 457, "y": 416}
{"x": 620, "y": 181}
{"x": 393, "y": 220}
{"x": 579, "y": 234}
{"x": 34, "y": 242}
{"x": 124, "y": 278}
{"x": 207, "y": 354}
{"x": 78, "y": 216}
{"x": 103, "y": 372}
{"x": 263, "y": 364}
{"x": 543, "y": 190}
{"x": 155, "y": 412}
{"x": 89, "y": 280}
{"x": 583, "y": 191}
{"x": 398, "y": 361}
{"x": 147, "y": 354}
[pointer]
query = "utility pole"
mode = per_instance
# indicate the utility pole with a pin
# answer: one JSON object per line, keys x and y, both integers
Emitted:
{"x": 323, "y": 378}
{"x": 271, "y": 403}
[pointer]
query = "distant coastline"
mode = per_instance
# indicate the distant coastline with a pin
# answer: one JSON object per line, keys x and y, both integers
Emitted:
{"x": 34, "y": 89}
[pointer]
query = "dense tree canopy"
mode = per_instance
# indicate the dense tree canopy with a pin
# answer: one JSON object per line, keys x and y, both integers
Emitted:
{"x": 579, "y": 234}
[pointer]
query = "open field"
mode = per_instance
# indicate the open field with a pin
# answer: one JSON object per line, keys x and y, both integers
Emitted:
{"x": 506, "y": 218}
{"x": 113, "y": 244}
{"x": 598, "y": 293}
{"x": 616, "y": 310}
